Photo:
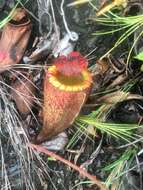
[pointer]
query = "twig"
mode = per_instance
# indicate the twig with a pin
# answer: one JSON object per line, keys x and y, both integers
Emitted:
{"x": 140, "y": 171}
{"x": 73, "y": 35}
{"x": 54, "y": 20}
{"x": 75, "y": 167}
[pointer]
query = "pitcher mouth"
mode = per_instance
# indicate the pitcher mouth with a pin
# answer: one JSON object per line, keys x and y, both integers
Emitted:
{"x": 70, "y": 84}
{"x": 22, "y": 22}
{"x": 19, "y": 18}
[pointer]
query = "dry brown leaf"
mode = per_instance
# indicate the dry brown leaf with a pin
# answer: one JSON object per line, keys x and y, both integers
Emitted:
{"x": 23, "y": 95}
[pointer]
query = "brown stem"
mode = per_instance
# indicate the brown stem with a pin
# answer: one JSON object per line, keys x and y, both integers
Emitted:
{"x": 75, "y": 167}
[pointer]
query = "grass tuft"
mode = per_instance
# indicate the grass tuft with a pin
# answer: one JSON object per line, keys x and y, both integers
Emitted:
{"x": 120, "y": 131}
{"x": 126, "y": 25}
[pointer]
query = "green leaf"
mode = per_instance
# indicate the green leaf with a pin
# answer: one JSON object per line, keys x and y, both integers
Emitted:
{"x": 139, "y": 56}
